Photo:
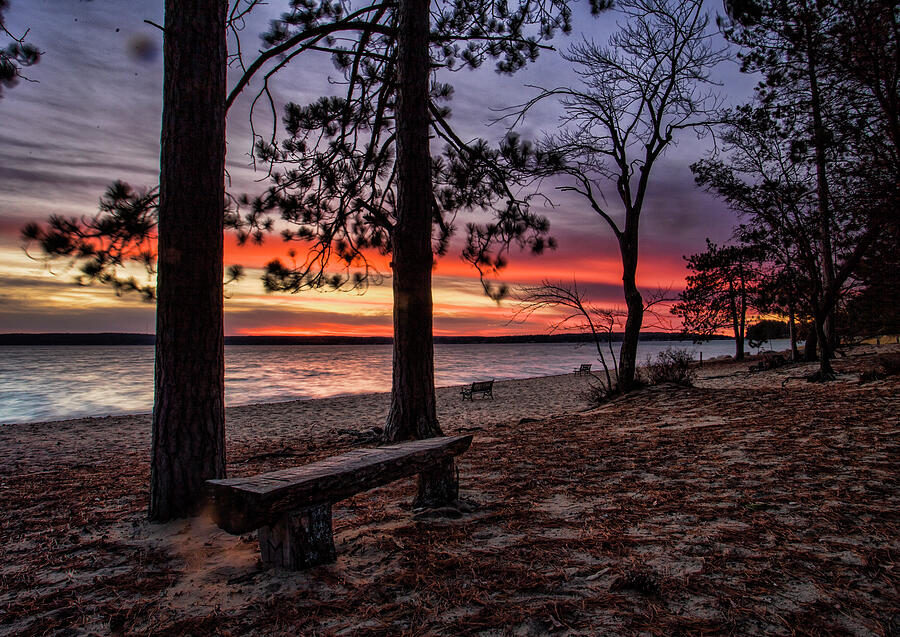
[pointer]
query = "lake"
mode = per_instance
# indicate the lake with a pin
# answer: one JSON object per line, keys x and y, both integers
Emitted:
{"x": 55, "y": 383}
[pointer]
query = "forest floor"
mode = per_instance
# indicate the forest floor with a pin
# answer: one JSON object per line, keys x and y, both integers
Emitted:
{"x": 751, "y": 503}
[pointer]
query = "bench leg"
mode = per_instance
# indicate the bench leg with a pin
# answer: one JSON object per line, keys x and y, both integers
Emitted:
{"x": 299, "y": 540}
{"x": 439, "y": 486}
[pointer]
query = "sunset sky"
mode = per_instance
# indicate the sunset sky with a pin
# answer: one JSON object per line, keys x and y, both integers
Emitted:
{"x": 93, "y": 116}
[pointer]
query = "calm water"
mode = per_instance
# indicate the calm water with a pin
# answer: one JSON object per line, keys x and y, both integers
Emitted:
{"x": 53, "y": 383}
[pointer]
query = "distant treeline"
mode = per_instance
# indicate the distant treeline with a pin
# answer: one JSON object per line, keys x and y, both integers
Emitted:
{"x": 109, "y": 338}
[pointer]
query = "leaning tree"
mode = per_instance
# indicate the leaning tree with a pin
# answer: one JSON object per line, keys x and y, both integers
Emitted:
{"x": 831, "y": 78}
{"x": 635, "y": 97}
{"x": 827, "y": 178}
{"x": 786, "y": 41}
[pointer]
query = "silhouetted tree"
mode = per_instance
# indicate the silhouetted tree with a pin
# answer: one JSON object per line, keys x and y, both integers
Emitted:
{"x": 777, "y": 197}
{"x": 360, "y": 178}
{"x": 778, "y": 291}
{"x": 766, "y": 330}
{"x": 122, "y": 233}
{"x": 718, "y": 292}
{"x": 785, "y": 41}
{"x": 188, "y": 445}
{"x": 371, "y": 62}
{"x": 831, "y": 82}
{"x": 635, "y": 97}
{"x": 16, "y": 55}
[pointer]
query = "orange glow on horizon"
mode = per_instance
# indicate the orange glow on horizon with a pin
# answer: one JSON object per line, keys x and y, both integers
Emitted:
{"x": 321, "y": 329}
{"x": 521, "y": 268}
{"x": 460, "y": 308}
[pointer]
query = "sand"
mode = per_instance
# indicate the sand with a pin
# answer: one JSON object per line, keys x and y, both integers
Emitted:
{"x": 86, "y": 441}
{"x": 751, "y": 503}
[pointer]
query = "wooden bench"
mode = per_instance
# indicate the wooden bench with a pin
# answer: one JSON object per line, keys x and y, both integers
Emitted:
{"x": 584, "y": 370}
{"x": 483, "y": 387}
{"x": 292, "y": 507}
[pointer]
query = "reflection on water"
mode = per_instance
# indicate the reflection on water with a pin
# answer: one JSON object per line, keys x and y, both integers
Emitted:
{"x": 52, "y": 383}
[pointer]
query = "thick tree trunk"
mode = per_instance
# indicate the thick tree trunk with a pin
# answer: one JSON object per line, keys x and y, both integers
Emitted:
{"x": 635, "y": 318}
{"x": 809, "y": 348}
{"x": 738, "y": 344}
{"x": 413, "y": 411}
{"x": 188, "y": 445}
{"x": 822, "y": 188}
{"x": 826, "y": 371}
{"x": 792, "y": 328}
{"x": 737, "y": 323}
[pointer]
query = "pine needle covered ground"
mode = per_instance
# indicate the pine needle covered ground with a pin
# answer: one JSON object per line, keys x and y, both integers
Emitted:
{"x": 738, "y": 506}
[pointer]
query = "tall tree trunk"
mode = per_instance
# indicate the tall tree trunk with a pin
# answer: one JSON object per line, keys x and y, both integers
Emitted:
{"x": 792, "y": 330}
{"x": 628, "y": 246}
{"x": 413, "y": 411}
{"x": 737, "y": 325}
{"x": 738, "y": 345}
{"x": 826, "y": 371}
{"x": 188, "y": 442}
{"x": 823, "y": 191}
{"x": 743, "y": 317}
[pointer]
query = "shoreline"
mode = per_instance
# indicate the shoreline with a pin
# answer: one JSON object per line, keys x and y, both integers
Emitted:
{"x": 58, "y": 385}
{"x": 377, "y": 396}
{"x": 716, "y": 362}
{"x": 344, "y": 420}
{"x": 62, "y": 442}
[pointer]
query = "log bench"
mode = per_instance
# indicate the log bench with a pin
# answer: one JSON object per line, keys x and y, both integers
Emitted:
{"x": 292, "y": 507}
{"x": 483, "y": 387}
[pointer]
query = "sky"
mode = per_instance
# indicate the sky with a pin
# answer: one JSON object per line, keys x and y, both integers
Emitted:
{"x": 91, "y": 115}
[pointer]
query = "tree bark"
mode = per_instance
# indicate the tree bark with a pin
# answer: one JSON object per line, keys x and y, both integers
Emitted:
{"x": 628, "y": 246}
{"x": 737, "y": 322}
{"x": 826, "y": 371}
{"x": 738, "y": 344}
{"x": 413, "y": 410}
{"x": 188, "y": 441}
{"x": 792, "y": 327}
{"x": 809, "y": 348}
{"x": 822, "y": 187}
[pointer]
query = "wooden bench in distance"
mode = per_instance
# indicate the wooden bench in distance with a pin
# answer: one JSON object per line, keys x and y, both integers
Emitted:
{"x": 584, "y": 370}
{"x": 483, "y": 387}
{"x": 292, "y": 507}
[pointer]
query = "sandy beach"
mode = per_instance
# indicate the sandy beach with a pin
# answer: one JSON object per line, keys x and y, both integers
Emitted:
{"x": 751, "y": 503}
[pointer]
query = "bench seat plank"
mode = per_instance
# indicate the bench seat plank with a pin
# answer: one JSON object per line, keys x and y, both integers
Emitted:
{"x": 240, "y": 505}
